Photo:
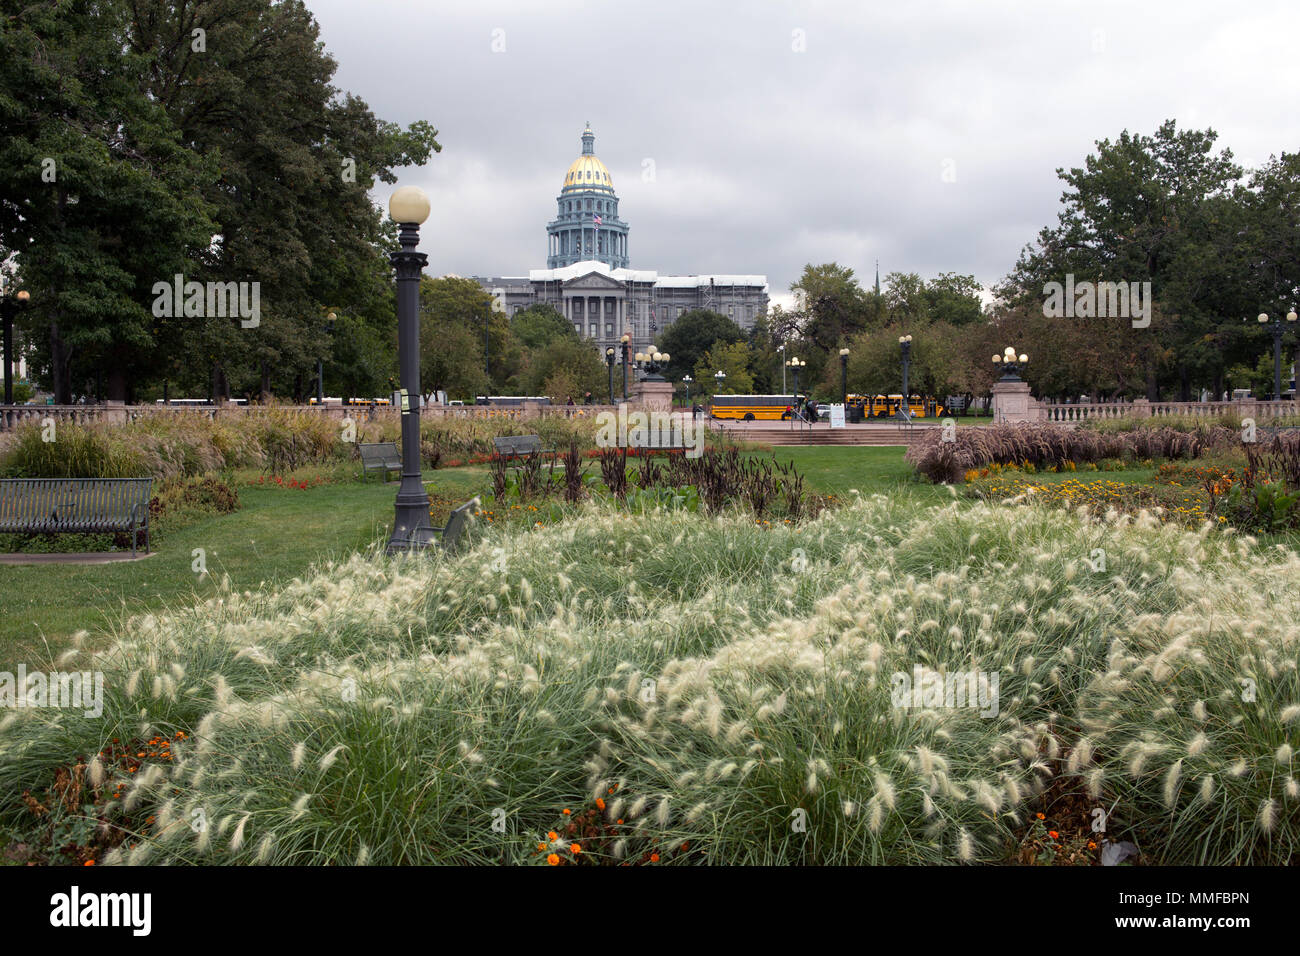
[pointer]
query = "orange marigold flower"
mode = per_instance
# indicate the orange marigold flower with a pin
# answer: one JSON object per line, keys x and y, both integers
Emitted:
{"x": 553, "y": 859}
{"x": 686, "y": 845}
{"x": 1040, "y": 816}
{"x": 600, "y": 804}
{"x": 541, "y": 847}
{"x": 654, "y": 857}
{"x": 567, "y": 812}
{"x": 89, "y": 863}
{"x": 1053, "y": 834}
{"x": 552, "y": 835}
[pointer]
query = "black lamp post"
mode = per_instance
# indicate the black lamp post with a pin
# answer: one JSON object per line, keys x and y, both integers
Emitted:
{"x": 487, "y": 357}
{"x": 1277, "y": 328}
{"x": 686, "y": 381}
{"x": 719, "y": 376}
{"x": 409, "y": 207}
{"x": 627, "y": 358}
{"x": 844, "y": 378}
{"x": 905, "y": 343}
{"x": 320, "y": 363}
{"x": 609, "y": 362}
{"x": 9, "y": 306}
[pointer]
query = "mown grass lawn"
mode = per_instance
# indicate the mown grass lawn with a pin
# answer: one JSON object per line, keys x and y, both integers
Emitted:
{"x": 275, "y": 536}
{"x": 280, "y": 534}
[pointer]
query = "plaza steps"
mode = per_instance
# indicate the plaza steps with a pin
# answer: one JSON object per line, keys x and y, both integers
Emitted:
{"x": 822, "y": 434}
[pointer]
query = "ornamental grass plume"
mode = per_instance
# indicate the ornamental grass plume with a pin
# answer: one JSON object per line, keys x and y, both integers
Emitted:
{"x": 392, "y": 705}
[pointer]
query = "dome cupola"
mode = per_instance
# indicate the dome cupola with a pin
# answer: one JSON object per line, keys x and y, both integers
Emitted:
{"x": 588, "y": 225}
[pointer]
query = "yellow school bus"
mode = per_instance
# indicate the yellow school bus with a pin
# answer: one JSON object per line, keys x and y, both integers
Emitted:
{"x": 751, "y": 408}
{"x": 886, "y": 406}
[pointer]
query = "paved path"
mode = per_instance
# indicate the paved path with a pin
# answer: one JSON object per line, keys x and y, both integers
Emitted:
{"x": 91, "y": 557}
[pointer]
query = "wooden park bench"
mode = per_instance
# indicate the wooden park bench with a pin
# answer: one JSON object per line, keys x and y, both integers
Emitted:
{"x": 76, "y": 506}
{"x": 520, "y": 446}
{"x": 381, "y": 457}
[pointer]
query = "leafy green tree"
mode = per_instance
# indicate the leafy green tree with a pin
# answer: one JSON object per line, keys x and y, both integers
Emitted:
{"x": 362, "y": 358}
{"x": 1147, "y": 209}
{"x": 538, "y": 325}
{"x": 732, "y": 358}
{"x": 954, "y": 299}
{"x": 692, "y": 335}
{"x": 834, "y": 305}
{"x": 568, "y": 367}
{"x": 452, "y": 347}
{"x": 99, "y": 196}
{"x": 203, "y": 139}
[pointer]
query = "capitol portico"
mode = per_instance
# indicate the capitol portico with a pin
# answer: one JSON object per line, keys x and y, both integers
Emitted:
{"x": 588, "y": 278}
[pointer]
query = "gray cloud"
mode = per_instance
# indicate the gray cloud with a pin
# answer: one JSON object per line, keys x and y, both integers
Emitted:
{"x": 766, "y": 158}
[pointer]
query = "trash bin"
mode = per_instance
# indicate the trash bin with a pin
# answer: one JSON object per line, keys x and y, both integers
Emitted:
{"x": 853, "y": 414}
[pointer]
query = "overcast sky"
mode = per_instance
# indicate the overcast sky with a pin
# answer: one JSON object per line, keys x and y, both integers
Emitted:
{"x": 756, "y": 137}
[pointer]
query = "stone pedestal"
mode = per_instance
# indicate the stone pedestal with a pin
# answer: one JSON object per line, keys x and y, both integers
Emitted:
{"x": 653, "y": 396}
{"x": 1013, "y": 403}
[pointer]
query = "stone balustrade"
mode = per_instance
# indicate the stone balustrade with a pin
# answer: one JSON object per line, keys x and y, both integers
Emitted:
{"x": 1142, "y": 408}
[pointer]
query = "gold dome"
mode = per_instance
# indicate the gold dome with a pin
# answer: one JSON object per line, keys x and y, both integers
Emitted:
{"x": 588, "y": 172}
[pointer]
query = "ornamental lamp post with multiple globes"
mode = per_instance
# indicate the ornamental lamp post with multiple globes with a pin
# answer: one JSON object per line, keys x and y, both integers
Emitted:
{"x": 652, "y": 364}
{"x": 609, "y": 363}
{"x": 1010, "y": 364}
{"x": 794, "y": 364}
{"x": 686, "y": 382}
{"x": 409, "y": 207}
{"x": 1277, "y": 328}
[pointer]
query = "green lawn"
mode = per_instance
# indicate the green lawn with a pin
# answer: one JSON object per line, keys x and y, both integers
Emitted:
{"x": 277, "y": 535}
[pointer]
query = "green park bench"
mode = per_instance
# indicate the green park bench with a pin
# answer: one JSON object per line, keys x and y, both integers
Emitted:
{"x": 381, "y": 457}
{"x": 76, "y": 506}
{"x": 520, "y": 446}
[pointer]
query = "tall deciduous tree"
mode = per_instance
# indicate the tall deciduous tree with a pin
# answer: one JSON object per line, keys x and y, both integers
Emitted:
{"x": 199, "y": 137}
{"x": 99, "y": 195}
{"x": 692, "y": 335}
{"x": 1147, "y": 209}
